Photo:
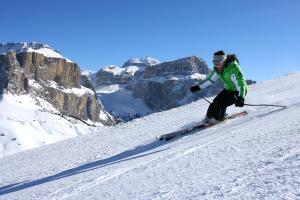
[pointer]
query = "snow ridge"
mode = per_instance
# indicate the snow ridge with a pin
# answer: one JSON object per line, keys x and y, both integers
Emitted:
{"x": 36, "y": 47}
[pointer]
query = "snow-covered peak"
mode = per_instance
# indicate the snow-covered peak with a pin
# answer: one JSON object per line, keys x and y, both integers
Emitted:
{"x": 115, "y": 70}
{"x": 146, "y": 61}
{"x": 19, "y": 47}
{"x": 86, "y": 72}
{"x": 119, "y": 71}
{"x": 130, "y": 67}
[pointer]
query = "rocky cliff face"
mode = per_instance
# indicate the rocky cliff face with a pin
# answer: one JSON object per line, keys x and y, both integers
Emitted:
{"x": 38, "y": 67}
{"x": 181, "y": 67}
{"x": 167, "y": 85}
{"x": 12, "y": 76}
{"x": 30, "y": 70}
{"x": 108, "y": 76}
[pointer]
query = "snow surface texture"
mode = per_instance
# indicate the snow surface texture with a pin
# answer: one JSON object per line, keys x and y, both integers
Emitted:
{"x": 31, "y": 47}
{"x": 253, "y": 157}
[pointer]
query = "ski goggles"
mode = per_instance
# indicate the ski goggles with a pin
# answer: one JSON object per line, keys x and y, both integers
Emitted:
{"x": 217, "y": 63}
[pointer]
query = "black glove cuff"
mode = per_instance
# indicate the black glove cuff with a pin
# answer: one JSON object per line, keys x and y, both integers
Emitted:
{"x": 195, "y": 88}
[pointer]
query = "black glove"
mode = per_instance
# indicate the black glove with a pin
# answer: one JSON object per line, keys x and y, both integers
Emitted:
{"x": 239, "y": 102}
{"x": 195, "y": 88}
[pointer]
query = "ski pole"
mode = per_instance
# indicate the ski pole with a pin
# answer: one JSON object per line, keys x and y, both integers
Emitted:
{"x": 247, "y": 104}
{"x": 280, "y": 106}
{"x": 206, "y": 100}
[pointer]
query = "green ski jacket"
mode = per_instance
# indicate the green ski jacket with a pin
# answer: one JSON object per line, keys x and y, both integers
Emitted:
{"x": 232, "y": 77}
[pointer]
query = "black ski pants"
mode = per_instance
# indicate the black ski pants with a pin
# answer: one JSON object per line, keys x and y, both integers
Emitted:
{"x": 217, "y": 109}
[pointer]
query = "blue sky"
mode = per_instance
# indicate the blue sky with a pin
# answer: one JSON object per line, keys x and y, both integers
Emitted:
{"x": 264, "y": 34}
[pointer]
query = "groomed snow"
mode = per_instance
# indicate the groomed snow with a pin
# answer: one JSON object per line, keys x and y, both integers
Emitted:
{"x": 253, "y": 157}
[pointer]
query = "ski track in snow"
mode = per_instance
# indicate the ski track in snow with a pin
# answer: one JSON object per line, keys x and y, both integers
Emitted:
{"x": 252, "y": 157}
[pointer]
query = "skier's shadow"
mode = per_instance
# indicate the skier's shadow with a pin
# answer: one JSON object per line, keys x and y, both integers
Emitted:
{"x": 1, "y": 94}
{"x": 271, "y": 112}
{"x": 137, "y": 152}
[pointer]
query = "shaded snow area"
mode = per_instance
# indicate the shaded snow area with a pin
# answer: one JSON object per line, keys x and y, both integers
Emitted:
{"x": 252, "y": 157}
{"x": 120, "y": 102}
{"x": 26, "y": 123}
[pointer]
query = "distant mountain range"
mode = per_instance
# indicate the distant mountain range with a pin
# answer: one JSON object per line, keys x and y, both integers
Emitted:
{"x": 144, "y": 86}
{"x": 140, "y": 87}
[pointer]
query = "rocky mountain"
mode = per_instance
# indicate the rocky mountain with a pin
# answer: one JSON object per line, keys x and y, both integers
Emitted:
{"x": 143, "y": 86}
{"x": 38, "y": 70}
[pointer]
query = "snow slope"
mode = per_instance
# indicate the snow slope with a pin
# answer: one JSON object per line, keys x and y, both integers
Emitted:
{"x": 253, "y": 157}
{"x": 32, "y": 122}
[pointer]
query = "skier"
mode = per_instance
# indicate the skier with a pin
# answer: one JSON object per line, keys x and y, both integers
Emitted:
{"x": 228, "y": 70}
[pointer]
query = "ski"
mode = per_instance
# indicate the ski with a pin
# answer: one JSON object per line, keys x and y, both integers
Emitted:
{"x": 199, "y": 127}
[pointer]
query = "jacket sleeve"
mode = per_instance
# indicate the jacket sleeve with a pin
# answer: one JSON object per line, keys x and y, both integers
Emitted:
{"x": 239, "y": 81}
{"x": 211, "y": 78}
